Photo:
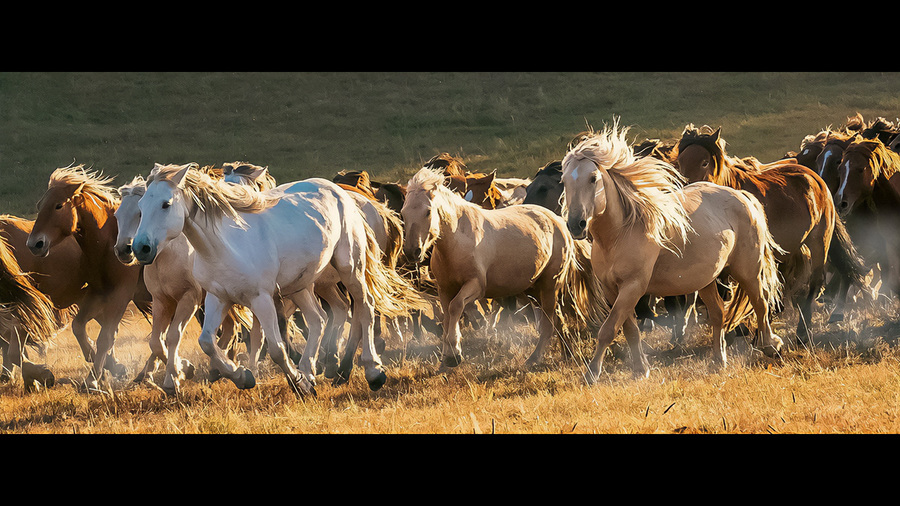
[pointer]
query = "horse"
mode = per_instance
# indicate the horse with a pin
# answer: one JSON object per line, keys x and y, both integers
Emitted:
{"x": 475, "y": 254}
{"x": 512, "y": 190}
{"x": 868, "y": 200}
{"x": 248, "y": 174}
{"x": 477, "y": 188}
{"x": 253, "y": 246}
{"x": 546, "y": 188}
{"x": 651, "y": 235}
{"x": 830, "y": 154}
{"x": 391, "y": 194}
{"x": 803, "y": 219}
{"x": 27, "y": 316}
{"x": 79, "y": 204}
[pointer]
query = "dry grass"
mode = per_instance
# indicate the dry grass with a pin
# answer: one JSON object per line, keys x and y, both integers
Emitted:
{"x": 847, "y": 383}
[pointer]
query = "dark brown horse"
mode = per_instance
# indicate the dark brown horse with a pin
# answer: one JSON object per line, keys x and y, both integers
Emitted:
{"x": 870, "y": 203}
{"x": 477, "y": 188}
{"x": 830, "y": 157}
{"x": 391, "y": 194}
{"x": 79, "y": 205}
{"x": 801, "y": 214}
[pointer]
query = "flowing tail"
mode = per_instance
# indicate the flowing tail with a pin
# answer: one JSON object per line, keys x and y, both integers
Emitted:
{"x": 738, "y": 308}
{"x": 24, "y": 306}
{"x": 580, "y": 300}
{"x": 394, "y": 297}
{"x": 845, "y": 258}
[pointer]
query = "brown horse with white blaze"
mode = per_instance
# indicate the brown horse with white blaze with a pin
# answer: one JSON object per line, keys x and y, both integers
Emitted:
{"x": 801, "y": 214}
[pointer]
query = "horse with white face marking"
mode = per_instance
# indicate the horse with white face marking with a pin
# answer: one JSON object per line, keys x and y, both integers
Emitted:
{"x": 250, "y": 245}
{"x": 651, "y": 236}
{"x": 477, "y": 253}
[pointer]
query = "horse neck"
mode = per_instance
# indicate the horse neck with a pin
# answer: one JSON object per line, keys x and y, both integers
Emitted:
{"x": 97, "y": 226}
{"x": 608, "y": 227}
{"x": 450, "y": 210}
{"x": 204, "y": 237}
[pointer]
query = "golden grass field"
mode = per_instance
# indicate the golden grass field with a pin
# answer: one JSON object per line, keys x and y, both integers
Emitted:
{"x": 847, "y": 383}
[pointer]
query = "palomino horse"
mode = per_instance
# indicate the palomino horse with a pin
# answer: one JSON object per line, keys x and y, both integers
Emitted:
{"x": 870, "y": 203}
{"x": 79, "y": 204}
{"x": 803, "y": 218}
{"x": 651, "y": 235}
{"x": 27, "y": 316}
{"x": 251, "y": 245}
{"x": 501, "y": 253}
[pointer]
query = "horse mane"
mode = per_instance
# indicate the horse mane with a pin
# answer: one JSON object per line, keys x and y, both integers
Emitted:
{"x": 92, "y": 183}
{"x": 450, "y": 165}
{"x": 881, "y": 161}
{"x": 730, "y": 171}
{"x": 648, "y": 187}
{"x": 137, "y": 186}
{"x": 214, "y": 197}
{"x": 266, "y": 182}
{"x": 552, "y": 169}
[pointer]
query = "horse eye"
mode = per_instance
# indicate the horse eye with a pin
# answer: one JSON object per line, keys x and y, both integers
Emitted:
{"x": 165, "y": 205}
{"x": 593, "y": 178}
{"x": 705, "y": 163}
{"x": 59, "y": 206}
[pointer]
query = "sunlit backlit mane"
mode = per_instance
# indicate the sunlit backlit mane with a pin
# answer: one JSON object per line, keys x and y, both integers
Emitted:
{"x": 213, "y": 197}
{"x": 648, "y": 186}
{"x": 90, "y": 183}
{"x": 881, "y": 161}
{"x": 137, "y": 186}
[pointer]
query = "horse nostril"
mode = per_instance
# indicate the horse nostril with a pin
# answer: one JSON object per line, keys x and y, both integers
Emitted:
{"x": 145, "y": 249}
{"x": 582, "y": 223}
{"x": 39, "y": 245}
{"x": 844, "y": 204}
{"x": 417, "y": 252}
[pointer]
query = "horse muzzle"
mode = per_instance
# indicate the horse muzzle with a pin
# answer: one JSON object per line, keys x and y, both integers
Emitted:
{"x": 124, "y": 254}
{"x": 39, "y": 246}
{"x": 577, "y": 227}
{"x": 145, "y": 253}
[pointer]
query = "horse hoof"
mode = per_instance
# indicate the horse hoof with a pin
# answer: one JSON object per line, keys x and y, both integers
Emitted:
{"x": 339, "y": 379}
{"x": 452, "y": 361}
{"x": 188, "y": 370}
{"x": 214, "y": 375}
{"x": 119, "y": 370}
{"x": 376, "y": 383}
{"x": 836, "y": 317}
{"x": 247, "y": 380}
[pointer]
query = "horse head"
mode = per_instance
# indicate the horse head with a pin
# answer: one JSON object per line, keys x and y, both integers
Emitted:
{"x": 546, "y": 188}
{"x": 701, "y": 154}
{"x": 420, "y": 216}
{"x": 163, "y": 211}
{"x": 863, "y": 163}
{"x": 128, "y": 217}
{"x": 70, "y": 191}
{"x": 585, "y": 193}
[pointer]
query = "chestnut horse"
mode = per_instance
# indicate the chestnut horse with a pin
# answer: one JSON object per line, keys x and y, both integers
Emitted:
{"x": 803, "y": 219}
{"x": 78, "y": 204}
{"x": 650, "y": 235}
{"x": 501, "y": 253}
{"x": 870, "y": 203}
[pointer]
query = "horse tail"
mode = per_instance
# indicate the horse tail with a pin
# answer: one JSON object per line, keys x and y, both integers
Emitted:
{"x": 845, "y": 258}
{"x": 738, "y": 308}
{"x": 22, "y": 304}
{"x": 579, "y": 295}
{"x": 393, "y": 295}
{"x": 394, "y": 228}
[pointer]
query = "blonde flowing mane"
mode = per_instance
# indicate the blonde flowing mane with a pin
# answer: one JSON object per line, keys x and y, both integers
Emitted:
{"x": 137, "y": 186}
{"x": 214, "y": 197}
{"x": 90, "y": 183}
{"x": 649, "y": 188}
{"x": 432, "y": 180}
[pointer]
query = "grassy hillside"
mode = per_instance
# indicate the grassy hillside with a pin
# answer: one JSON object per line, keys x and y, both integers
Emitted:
{"x": 316, "y": 124}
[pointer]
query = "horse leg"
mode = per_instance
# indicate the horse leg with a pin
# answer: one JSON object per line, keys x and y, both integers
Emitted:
{"x": 715, "y": 309}
{"x": 361, "y": 331}
{"x": 220, "y": 365}
{"x": 340, "y": 313}
{"x": 109, "y": 326}
{"x": 178, "y": 369}
{"x": 817, "y": 261}
{"x": 263, "y": 307}
{"x": 452, "y": 351}
{"x": 162, "y": 311}
{"x": 87, "y": 310}
{"x": 545, "y": 326}
{"x": 623, "y": 307}
{"x": 32, "y": 374}
{"x": 315, "y": 318}
{"x": 632, "y": 333}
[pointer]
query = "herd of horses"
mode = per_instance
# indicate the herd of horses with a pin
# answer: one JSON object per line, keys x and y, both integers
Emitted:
{"x": 593, "y": 243}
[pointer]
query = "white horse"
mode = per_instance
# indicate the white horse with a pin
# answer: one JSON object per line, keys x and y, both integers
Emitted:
{"x": 251, "y": 246}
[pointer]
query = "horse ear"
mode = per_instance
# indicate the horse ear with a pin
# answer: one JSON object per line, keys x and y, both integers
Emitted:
{"x": 717, "y": 134}
{"x": 179, "y": 177}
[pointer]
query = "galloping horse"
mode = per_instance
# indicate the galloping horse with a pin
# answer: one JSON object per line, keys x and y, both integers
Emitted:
{"x": 652, "y": 236}
{"x": 830, "y": 154}
{"x": 546, "y": 189}
{"x": 251, "y": 245}
{"x": 502, "y": 253}
{"x": 803, "y": 218}
{"x": 870, "y": 203}
{"x": 27, "y": 316}
{"x": 78, "y": 204}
